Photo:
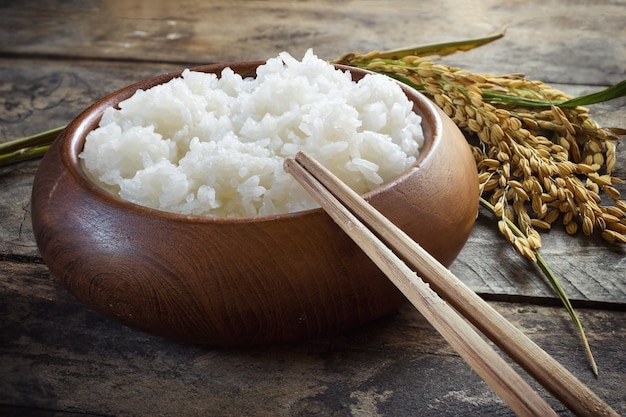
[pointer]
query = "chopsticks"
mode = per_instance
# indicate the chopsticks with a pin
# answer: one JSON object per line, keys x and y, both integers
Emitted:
{"x": 400, "y": 259}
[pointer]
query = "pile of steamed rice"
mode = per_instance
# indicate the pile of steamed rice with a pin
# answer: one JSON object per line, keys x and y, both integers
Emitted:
{"x": 203, "y": 145}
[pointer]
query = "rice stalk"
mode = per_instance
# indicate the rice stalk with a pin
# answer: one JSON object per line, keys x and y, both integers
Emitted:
{"x": 511, "y": 232}
{"x": 535, "y": 160}
{"x": 540, "y": 157}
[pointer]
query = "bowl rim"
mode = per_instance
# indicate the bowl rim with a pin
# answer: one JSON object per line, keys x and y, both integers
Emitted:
{"x": 72, "y": 139}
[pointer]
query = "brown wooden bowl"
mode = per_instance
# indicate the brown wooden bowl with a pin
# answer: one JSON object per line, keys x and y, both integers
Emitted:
{"x": 241, "y": 281}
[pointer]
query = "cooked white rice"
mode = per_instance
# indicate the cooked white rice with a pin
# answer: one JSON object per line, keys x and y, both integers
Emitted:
{"x": 203, "y": 145}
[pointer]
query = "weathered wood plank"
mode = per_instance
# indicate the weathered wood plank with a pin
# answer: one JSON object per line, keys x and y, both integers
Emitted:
{"x": 579, "y": 43}
{"x": 57, "y": 355}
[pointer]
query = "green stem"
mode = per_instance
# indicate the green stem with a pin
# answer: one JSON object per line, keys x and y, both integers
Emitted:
{"x": 543, "y": 265}
{"x": 26, "y": 148}
{"x": 22, "y": 155}
{"x": 440, "y": 49}
{"x": 610, "y": 93}
{"x": 43, "y": 138}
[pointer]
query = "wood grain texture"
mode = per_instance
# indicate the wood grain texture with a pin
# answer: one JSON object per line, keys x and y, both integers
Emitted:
{"x": 218, "y": 31}
{"x": 57, "y": 355}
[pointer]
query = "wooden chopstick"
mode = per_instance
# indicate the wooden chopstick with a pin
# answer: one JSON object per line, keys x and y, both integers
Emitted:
{"x": 466, "y": 341}
{"x": 332, "y": 194}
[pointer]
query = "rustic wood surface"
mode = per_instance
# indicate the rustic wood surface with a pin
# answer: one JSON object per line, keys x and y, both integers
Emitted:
{"x": 58, "y": 358}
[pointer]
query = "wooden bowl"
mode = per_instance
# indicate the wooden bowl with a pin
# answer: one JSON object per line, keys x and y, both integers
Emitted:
{"x": 241, "y": 281}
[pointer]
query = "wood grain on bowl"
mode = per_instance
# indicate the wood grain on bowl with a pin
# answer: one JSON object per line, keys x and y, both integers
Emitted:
{"x": 241, "y": 281}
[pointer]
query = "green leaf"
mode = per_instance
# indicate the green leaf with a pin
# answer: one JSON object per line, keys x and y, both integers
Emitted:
{"x": 610, "y": 93}
{"x": 441, "y": 49}
{"x": 496, "y": 97}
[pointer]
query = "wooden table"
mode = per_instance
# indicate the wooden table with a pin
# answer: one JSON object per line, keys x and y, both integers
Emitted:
{"x": 57, "y": 358}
